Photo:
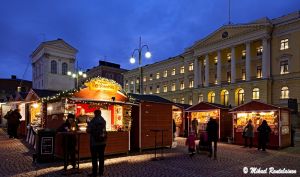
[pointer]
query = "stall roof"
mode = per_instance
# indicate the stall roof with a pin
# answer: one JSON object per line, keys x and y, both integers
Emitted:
{"x": 44, "y": 93}
{"x": 203, "y": 106}
{"x": 97, "y": 100}
{"x": 254, "y": 106}
{"x": 149, "y": 98}
{"x": 184, "y": 106}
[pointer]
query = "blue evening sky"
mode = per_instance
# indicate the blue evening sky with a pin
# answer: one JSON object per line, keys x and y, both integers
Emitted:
{"x": 110, "y": 29}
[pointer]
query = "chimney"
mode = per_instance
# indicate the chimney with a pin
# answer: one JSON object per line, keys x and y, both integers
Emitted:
{"x": 13, "y": 77}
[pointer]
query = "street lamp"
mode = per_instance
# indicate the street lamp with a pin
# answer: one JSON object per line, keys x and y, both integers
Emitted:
{"x": 76, "y": 76}
{"x": 132, "y": 61}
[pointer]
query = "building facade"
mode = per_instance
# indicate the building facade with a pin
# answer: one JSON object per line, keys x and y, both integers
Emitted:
{"x": 51, "y": 61}
{"x": 235, "y": 64}
{"x": 108, "y": 70}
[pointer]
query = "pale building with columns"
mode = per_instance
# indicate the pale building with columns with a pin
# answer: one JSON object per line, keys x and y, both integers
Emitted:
{"x": 235, "y": 64}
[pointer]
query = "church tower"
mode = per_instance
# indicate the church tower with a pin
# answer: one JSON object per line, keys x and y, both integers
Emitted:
{"x": 51, "y": 62}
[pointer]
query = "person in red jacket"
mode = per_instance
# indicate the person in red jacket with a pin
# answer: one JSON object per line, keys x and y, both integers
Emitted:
{"x": 190, "y": 142}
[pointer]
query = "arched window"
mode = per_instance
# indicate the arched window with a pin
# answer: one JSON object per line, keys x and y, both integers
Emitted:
{"x": 255, "y": 94}
{"x": 53, "y": 67}
{"x": 211, "y": 97}
{"x": 241, "y": 96}
{"x": 225, "y": 97}
{"x": 285, "y": 92}
{"x": 200, "y": 99}
{"x": 64, "y": 67}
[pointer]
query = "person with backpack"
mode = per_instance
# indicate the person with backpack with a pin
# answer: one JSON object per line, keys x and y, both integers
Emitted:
{"x": 98, "y": 136}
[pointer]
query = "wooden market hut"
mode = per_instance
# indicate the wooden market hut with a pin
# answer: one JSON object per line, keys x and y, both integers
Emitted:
{"x": 277, "y": 118}
{"x": 203, "y": 111}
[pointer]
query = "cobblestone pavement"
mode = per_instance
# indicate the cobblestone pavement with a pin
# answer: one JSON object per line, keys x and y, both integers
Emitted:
{"x": 16, "y": 160}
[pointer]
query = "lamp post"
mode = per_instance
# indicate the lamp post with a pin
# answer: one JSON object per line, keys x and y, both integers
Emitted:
{"x": 76, "y": 75}
{"x": 132, "y": 61}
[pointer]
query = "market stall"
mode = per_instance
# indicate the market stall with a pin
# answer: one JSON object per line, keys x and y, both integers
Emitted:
{"x": 277, "y": 118}
{"x": 99, "y": 93}
{"x": 203, "y": 111}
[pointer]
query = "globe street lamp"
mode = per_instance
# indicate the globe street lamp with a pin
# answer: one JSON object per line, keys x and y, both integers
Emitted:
{"x": 132, "y": 61}
{"x": 76, "y": 76}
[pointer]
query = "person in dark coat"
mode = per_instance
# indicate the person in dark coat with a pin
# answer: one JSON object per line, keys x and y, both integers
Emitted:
{"x": 248, "y": 133}
{"x": 69, "y": 141}
{"x": 174, "y": 130}
{"x": 98, "y": 136}
{"x": 263, "y": 135}
{"x": 195, "y": 126}
{"x": 213, "y": 136}
{"x": 14, "y": 122}
{"x": 8, "y": 119}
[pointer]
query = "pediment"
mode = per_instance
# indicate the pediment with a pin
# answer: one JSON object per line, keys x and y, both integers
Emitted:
{"x": 61, "y": 44}
{"x": 230, "y": 31}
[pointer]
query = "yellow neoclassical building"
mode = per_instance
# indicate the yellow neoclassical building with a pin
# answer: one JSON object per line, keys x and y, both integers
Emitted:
{"x": 236, "y": 63}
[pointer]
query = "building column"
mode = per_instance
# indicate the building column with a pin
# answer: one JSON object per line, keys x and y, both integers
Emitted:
{"x": 219, "y": 68}
{"x": 200, "y": 74}
{"x": 206, "y": 84}
{"x": 266, "y": 59}
{"x": 248, "y": 61}
{"x": 196, "y": 72}
{"x": 233, "y": 65}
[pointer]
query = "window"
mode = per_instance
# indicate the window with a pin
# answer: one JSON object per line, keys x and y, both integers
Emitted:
{"x": 166, "y": 73}
{"x": 173, "y": 86}
{"x": 53, "y": 67}
{"x": 243, "y": 54}
{"x": 145, "y": 90}
{"x": 181, "y": 69}
{"x": 241, "y": 96}
{"x": 285, "y": 92}
{"x": 181, "y": 85}
{"x": 229, "y": 57}
{"x": 228, "y": 76}
{"x": 258, "y": 72}
{"x": 216, "y": 60}
{"x": 259, "y": 51}
{"x": 284, "y": 44}
{"x": 150, "y": 90}
{"x": 165, "y": 88}
{"x": 157, "y": 89}
{"x": 243, "y": 74}
{"x": 137, "y": 80}
{"x": 191, "y": 67}
{"x": 284, "y": 67}
{"x": 131, "y": 82}
{"x": 191, "y": 83}
{"x": 190, "y": 101}
{"x": 200, "y": 99}
{"x": 174, "y": 100}
{"x": 144, "y": 79}
{"x": 110, "y": 76}
{"x": 150, "y": 78}
{"x": 211, "y": 97}
{"x": 64, "y": 68}
{"x": 182, "y": 100}
{"x": 173, "y": 71}
{"x": 225, "y": 97}
{"x": 255, "y": 94}
{"x": 157, "y": 75}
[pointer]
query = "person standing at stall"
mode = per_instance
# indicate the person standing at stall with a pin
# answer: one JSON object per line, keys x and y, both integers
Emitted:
{"x": 8, "y": 119}
{"x": 69, "y": 141}
{"x": 195, "y": 126}
{"x": 212, "y": 135}
{"x": 263, "y": 135}
{"x": 15, "y": 117}
{"x": 248, "y": 134}
{"x": 98, "y": 136}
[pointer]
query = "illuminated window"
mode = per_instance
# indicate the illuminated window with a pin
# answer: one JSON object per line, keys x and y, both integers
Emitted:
{"x": 241, "y": 96}
{"x": 182, "y": 100}
{"x": 285, "y": 92}
{"x": 190, "y": 101}
{"x": 224, "y": 97}
{"x": 173, "y": 71}
{"x": 258, "y": 72}
{"x": 157, "y": 75}
{"x": 243, "y": 74}
{"x": 255, "y": 94}
{"x": 191, "y": 67}
{"x": 211, "y": 97}
{"x": 229, "y": 57}
{"x": 64, "y": 68}
{"x": 174, "y": 100}
{"x": 131, "y": 82}
{"x": 182, "y": 69}
{"x": 284, "y": 44}
{"x": 216, "y": 60}
{"x": 284, "y": 67}
{"x": 165, "y": 73}
{"x": 53, "y": 67}
{"x": 150, "y": 90}
{"x": 145, "y": 79}
{"x": 157, "y": 89}
{"x": 150, "y": 78}
{"x": 137, "y": 80}
{"x": 259, "y": 51}
{"x": 173, "y": 86}
{"x": 228, "y": 76}
{"x": 181, "y": 85}
{"x": 165, "y": 88}
{"x": 191, "y": 83}
{"x": 243, "y": 54}
{"x": 200, "y": 99}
